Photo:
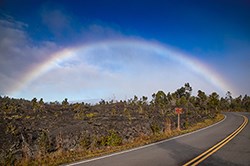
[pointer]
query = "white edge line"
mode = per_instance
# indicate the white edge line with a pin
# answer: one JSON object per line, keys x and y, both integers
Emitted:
{"x": 145, "y": 146}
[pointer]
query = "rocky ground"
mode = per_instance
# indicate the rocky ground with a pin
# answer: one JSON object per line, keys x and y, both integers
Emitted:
{"x": 33, "y": 128}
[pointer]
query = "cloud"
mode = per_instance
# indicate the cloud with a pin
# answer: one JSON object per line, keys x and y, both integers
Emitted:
{"x": 17, "y": 53}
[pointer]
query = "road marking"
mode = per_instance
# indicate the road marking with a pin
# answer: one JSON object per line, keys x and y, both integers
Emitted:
{"x": 145, "y": 146}
{"x": 219, "y": 145}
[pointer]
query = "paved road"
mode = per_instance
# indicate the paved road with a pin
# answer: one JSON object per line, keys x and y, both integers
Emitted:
{"x": 180, "y": 150}
{"x": 236, "y": 152}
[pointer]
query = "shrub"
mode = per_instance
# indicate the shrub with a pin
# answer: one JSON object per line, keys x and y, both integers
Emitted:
{"x": 113, "y": 112}
{"x": 11, "y": 129}
{"x": 90, "y": 115}
{"x": 79, "y": 115}
{"x": 85, "y": 142}
{"x": 155, "y": 128}
{"x": 113, "y": 139}
{"x": 43, "y": 142}
{"x": 186, "y": 124}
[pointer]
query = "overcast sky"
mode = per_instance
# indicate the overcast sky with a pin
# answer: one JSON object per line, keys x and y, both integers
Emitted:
{"x": 123, "y": 48}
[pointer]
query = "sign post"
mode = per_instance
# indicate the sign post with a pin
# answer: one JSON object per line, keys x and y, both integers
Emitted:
{"x": 178, "y": 111}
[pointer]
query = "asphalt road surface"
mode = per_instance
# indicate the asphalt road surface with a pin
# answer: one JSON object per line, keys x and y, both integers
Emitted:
{"x": 179, "y": 150}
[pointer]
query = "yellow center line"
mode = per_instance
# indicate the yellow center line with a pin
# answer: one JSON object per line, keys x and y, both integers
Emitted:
{"x": 216, "y": 147}
{"x": 218, "y": 144}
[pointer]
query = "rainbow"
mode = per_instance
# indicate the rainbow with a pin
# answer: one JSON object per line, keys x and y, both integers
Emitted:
{"x": 60, "y": 56}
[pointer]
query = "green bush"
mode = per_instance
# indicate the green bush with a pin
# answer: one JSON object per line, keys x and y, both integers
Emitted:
{"x": 11, "y": 129}
{"x": 43, "y": 142}
{"x": 85, "y": 142}
{"x": 90, "y": 115}
{"x": 186, "y": 124}
{"x": 113, "y": 139}
{"x": 155, "y": 128}
{"x": 79, "y": 115}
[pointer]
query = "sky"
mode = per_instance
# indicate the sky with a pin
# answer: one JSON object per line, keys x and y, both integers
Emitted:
{"x": 108, "y": 49}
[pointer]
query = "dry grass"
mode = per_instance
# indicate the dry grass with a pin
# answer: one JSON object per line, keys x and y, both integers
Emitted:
{"x": 61, "y": 157}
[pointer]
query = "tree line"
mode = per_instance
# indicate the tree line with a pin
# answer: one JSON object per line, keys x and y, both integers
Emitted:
{"x": 165, "y": 103}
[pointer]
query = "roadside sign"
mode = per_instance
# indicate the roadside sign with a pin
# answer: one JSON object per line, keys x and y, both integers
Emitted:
{"x": 178, "y": 110}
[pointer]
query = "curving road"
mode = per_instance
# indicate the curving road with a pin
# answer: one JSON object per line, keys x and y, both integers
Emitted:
{"x": 180, "y": 150}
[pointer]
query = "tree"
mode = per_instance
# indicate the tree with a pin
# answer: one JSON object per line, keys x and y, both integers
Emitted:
{"x": 161, "y": 102}
{"x": 246, "y": 103}
{"x": 152, "y": 102}
{"x": 180, "y": 92}
{"x": 135, "y": 99}
{"x": 144, "y": 99}
{"x": 41, "y": 104}
{"x": 102, "y": 102}
{"x": 65, "y": 103}
{"x": 34, "y": 104}
{"x": 236, "y": 103}
{"x": 184, "y": 91}
{"x": 213, "y": 102}
{"x": 229, "y": 96}
{"x": 224, "y": 104}
{"x": 202, "y": 100}
{"x": 188, "y": 90}
{"x": 34, "y": 100}
{"x": 161, "y": 99}
{"x": 183, "y": 102}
